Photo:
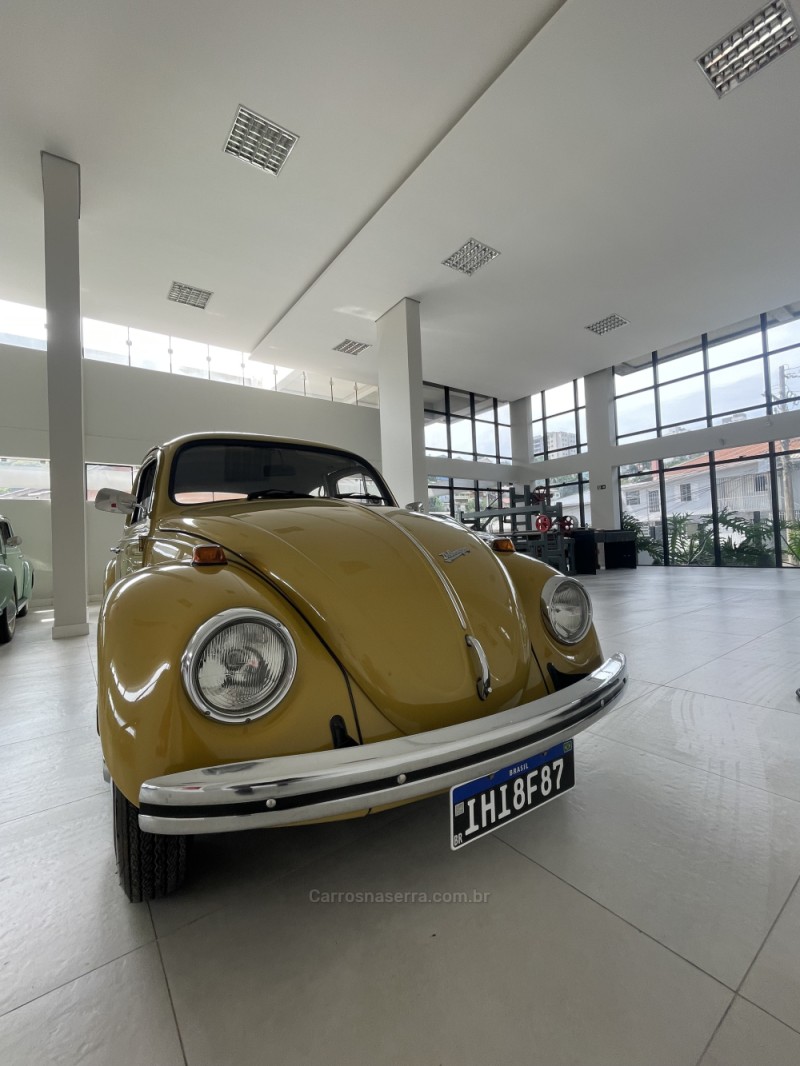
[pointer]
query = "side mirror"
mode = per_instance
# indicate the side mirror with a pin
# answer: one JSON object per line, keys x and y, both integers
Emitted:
{"x": 115, "y": 501}
{"x": 14, "y": 542}
{"x": 415, "y": 506}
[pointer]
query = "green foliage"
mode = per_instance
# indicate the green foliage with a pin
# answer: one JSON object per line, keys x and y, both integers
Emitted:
{"x": 741, "y": 541}
{"x": 644, "y": 542}
{"x": 690, "y": 539}
{"x": 791, "y": 540}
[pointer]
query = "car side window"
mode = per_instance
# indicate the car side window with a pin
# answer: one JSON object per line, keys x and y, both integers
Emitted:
{"x": 358, "y": 486}
{"x": 144, "y": 493}
{"x": 5, "y": 531}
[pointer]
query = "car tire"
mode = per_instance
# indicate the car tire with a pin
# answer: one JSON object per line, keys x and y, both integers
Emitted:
{"x": 150, "y": 865}
{"x": 8, "y": 622}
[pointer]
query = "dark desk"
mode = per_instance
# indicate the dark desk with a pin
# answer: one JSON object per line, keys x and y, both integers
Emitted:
{"x": 619, "y": 549}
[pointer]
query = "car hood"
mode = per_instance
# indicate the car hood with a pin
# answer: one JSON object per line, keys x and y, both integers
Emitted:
{"x": 394, "y": 596}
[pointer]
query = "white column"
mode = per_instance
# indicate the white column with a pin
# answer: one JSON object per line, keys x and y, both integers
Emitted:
{"x": 61, "y": 184}
{"x": 402, "y": 403}
{"x": 601, "y": 433}
{"x": 521, "y": 435}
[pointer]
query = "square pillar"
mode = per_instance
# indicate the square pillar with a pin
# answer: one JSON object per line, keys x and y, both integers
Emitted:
{"x": 61, "y": 186}
{"x": 402, "y": 403}
{"x": 601, "y": 433}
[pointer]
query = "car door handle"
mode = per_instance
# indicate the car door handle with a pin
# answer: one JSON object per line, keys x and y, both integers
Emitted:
{"x": 115, "y": 551}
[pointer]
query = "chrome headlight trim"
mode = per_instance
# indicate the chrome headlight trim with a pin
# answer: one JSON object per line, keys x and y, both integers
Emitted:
{"x": 192, "y": 658}
{"x": 552, "y": 586}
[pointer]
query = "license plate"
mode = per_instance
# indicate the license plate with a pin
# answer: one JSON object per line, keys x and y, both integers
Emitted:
{"x": 479, "y": 807}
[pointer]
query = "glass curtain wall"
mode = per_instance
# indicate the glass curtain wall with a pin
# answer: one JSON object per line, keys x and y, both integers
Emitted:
{"x": 573, "y": 492}
{"x": 29, "y": 479}
{"x": 559, "y": 421}
{"x": 729, "y": 375}
{"x": 466, "y": 425}
{"x": 454, "y": 496}
{"x": 558, "y": 428}
{"x": 786, "y": 493}
{"x": 24, "y": 479}
{"x": 24, "y": 327}
{"x": 731, "y": 507}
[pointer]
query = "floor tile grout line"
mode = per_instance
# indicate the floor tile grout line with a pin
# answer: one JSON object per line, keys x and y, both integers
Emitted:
{"x": 672, "y": 682}
{"x": 769, "y": 933}
{"x": 738, "y": 991}
{"x": 716, "y": 659}
{"x": 775, "y": 1018}
{"x": 702, "y": 666}
{"x": 690, "y": 766}
{"x": 169, "y": 989}
{"x": 91, "y": 733}
{"x": 718, "y": 696}
{"x": 614, "y": 913}
{"x": 717, "y": 1028}
{"x": 72, "y": 980}
{"x": 55, "y": 807}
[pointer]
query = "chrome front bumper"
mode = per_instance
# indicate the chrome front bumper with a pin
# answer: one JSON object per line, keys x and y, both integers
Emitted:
{"x": 303, "y": 788}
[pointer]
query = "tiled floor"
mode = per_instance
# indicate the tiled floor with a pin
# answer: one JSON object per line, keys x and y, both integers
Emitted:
{"x": 651, "y": 917}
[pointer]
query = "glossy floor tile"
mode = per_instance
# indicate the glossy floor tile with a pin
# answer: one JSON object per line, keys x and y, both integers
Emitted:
{"x": 530, "y": 964}
{"x": 700, "y": 863}
{"x": 658, "y": 653}
{"x": 749, "y": 1037}
{"x": 61, "y": 914}
{"x": 767, "y": 684}
{"x": 774, "y": 981}
{"x": 651, "y": 917}
{"x": 120, "y": 1012}
{"x": 32, "y": 775}
{"x": 758, "y": 746}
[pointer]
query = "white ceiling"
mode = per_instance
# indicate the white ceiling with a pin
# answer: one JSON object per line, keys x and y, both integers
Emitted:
{"x": 578, "y": 138}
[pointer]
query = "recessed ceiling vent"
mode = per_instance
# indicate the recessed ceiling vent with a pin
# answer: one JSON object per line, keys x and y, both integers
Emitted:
{"x": 605, "y": 325}
{"x": 257, "y": 141}
{"x": 762, "y": 38}
{"x": 351, "y": 347}
{"x": 470, "y": 257}
{"x": 187, "y": 294}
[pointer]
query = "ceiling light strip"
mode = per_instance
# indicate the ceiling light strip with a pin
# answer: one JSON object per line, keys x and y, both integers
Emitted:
{"x": 351, "y": 347}
{"x": 188, "y": 294}
{"x": 605, "y": 325}
{"x": 471, "y": 256}
{"x": 258, "y": 141}
{"x": 763, "y": 37}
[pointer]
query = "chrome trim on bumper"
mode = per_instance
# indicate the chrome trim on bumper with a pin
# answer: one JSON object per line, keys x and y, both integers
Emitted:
{"x": 301, "y": 788}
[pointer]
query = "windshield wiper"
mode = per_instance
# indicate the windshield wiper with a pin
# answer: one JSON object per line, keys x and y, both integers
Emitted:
{"x": 277, "y": 494}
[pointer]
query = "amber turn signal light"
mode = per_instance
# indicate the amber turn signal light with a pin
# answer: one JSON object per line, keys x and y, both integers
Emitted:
{"x": 209, "y": 555}
{"x": 503, "y": 544}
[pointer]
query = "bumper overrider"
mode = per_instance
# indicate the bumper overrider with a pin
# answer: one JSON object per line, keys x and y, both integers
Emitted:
{"x": 318, "y": 785}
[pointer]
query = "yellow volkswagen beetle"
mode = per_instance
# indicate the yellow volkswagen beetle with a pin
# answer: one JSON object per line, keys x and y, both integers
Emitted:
{"x": 280, "y": 643}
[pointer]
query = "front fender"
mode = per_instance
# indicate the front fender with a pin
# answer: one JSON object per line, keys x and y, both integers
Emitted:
{"x": 6, "y": 586}
{"x": 27, "y": 583}
{"x": 149, "y": 727}
{"x": 529, "y": 577}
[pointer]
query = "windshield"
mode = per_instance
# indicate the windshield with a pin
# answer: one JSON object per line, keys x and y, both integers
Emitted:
{"x": 206, "y": 471}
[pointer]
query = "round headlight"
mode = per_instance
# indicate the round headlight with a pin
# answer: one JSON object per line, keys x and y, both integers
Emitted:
{"x": 239, "y": 665}
{"x": 566, "y": 609}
